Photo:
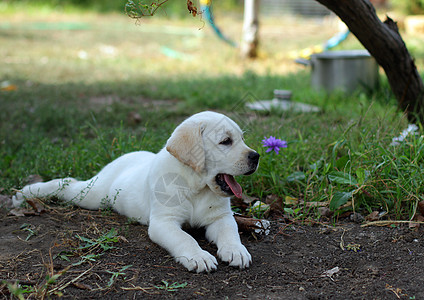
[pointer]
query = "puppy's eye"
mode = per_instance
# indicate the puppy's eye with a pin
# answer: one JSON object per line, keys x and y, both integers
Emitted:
{"x": 226, "y": 142}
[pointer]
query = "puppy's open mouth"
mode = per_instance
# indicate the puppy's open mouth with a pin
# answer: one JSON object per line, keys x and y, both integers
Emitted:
{"x": 229, "y": 185}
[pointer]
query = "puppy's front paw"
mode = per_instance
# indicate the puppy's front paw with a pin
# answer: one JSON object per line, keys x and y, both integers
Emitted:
{"x": 236, "y": 255}
{"x": 201, "y": 261}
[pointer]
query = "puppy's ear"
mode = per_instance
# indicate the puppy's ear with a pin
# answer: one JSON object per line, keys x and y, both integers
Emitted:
{"x": 186, "y": 144}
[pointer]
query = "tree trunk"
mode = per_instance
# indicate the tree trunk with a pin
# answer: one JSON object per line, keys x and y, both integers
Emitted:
{"x": 250, "y": 40}
{"x": 385, "y": 44}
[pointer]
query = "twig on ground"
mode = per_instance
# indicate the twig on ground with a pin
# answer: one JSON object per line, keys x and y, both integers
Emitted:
{"x": 139, "y": 288}
{"x": 388, "y": 222}
{"x": 59, "y": 288}
{"x": 280, "y": 231}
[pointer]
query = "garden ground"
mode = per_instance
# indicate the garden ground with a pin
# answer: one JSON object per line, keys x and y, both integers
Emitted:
{"x": 294, "y": 261}
{"x": 80, "y": 90}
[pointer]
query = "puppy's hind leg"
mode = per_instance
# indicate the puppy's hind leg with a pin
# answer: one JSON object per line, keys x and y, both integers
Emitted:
{"x": 66, "y": 189}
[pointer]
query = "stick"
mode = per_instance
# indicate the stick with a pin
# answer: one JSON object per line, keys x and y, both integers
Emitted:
{"x": 388, "y": 222}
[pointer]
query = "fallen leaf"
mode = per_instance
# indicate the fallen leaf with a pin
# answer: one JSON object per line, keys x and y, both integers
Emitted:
{"x": 413, "y": 225}
{"x": 248, "y": 199}
{"x": 421, "y": 207}
{"x": 122, "y": 238}
{"x": 17, "y": 212}
{"x": 36, "y": 209}
{"x": 36, "y": 205}
{"x": 82, "y": 286}
{"x": 374, "y": 216}
{"x": 275, "y": 202}
{"x": 325, "y": 212}
{"x": 331, "y": 272}
{"x": 290, "y": 200}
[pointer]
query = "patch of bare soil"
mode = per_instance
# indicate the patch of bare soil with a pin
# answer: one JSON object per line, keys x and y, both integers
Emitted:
{"x": 75, "y": 253}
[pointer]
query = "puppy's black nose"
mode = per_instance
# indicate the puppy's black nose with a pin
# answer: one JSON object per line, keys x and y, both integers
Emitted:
{"x": 253, "y": 157}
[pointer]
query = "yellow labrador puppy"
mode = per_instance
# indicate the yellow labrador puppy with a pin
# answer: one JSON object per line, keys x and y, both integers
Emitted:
{"x": 187, "y": 182}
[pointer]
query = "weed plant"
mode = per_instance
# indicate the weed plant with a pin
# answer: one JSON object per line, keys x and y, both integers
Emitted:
{"x": 71, "y": 116}
{"x": 350, "y": 166}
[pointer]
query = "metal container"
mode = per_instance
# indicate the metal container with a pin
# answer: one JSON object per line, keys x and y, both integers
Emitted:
{"x": 345, "y": 70}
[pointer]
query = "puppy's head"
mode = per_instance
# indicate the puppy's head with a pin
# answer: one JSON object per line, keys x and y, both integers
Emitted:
{"x": 213, "y": 146}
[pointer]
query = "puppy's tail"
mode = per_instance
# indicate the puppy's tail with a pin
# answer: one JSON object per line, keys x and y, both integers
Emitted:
{"x": 69, "y": 190}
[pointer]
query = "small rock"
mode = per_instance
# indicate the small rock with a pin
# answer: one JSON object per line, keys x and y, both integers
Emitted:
{"x": 357, "y": 218}
{"x": 325, "y": 212}
{"x": 372, "y": 270}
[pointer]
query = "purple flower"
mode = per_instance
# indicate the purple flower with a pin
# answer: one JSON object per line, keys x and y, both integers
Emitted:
{"x": 273, "y": 144}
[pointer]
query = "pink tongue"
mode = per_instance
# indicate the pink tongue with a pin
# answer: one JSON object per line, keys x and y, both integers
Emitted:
{"x": 233, "y": 184}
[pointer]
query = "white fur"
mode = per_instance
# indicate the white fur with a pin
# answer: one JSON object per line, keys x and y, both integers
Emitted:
{"x": 167, "y": 190}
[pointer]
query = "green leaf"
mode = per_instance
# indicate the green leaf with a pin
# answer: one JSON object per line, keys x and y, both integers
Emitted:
{"x": 289, "y": 210}
{"x": 111, "y": 234}
{"x": 342, "y": 178}
{"x": 296, "y": 176}
{"x": 340, "y": 198}
{"x": 343, "y": 162}
{"x": 362, "y": 175}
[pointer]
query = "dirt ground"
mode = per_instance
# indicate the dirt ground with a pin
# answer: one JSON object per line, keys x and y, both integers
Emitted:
{"x": 293, "y": 262}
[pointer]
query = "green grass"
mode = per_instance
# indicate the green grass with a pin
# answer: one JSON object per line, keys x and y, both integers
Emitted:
{"x": 71, "y": 112}
{"x": 353, "y": 164}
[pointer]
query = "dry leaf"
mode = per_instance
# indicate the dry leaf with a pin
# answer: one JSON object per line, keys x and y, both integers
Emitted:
{"x": 275, "y": 202}
{"x": 331, "y": 272}
{"x": 36, "y": 206}
{"x": 247, "y": 199}
{"x": 325, "y": 212}
{"x": 192, "y": 9}
{"x": 374, "y": 216}
{"x": 122, "y": 238}
{"x": 413, "y": 225}
{"x": 82, "y": 286}
{"x": 36, "y": 209}
{"x": 17, "y": 212}
{"x": 421, "y": 207}
{"x": 290, "y": 200}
